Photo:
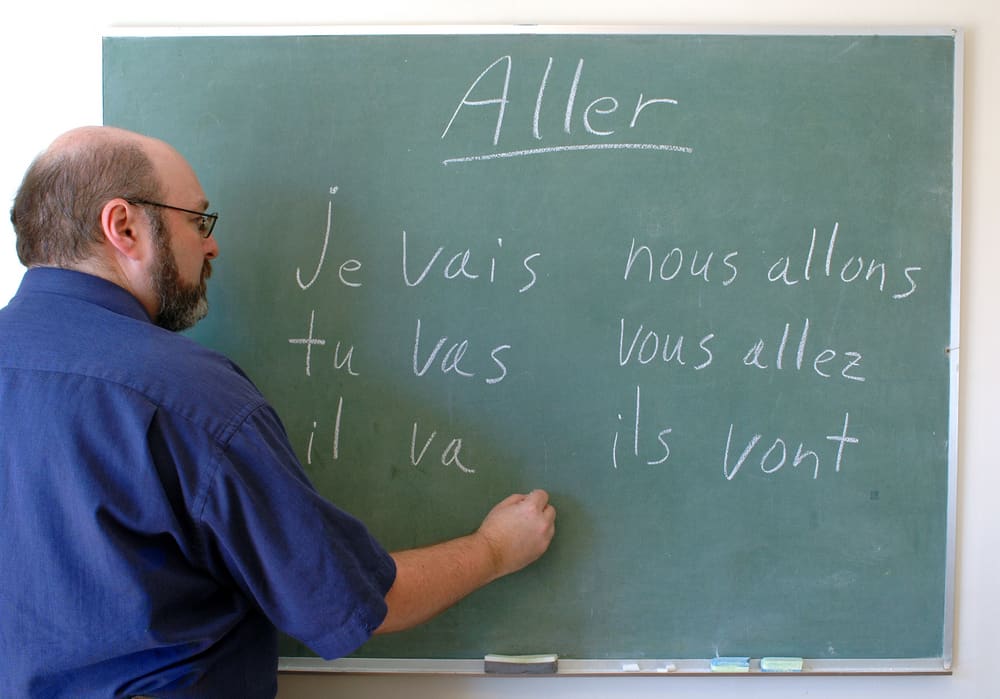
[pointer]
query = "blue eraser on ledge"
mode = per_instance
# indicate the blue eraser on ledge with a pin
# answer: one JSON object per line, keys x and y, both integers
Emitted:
{"x": 730, "y": 664}
{"x": 521, "y": 664}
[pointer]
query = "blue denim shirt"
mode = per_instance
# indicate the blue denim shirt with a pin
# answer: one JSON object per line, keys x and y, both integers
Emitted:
{"x": 155, "y": 525}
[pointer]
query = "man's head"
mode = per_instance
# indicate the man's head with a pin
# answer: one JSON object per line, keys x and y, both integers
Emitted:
{"x": 86, "y": 204}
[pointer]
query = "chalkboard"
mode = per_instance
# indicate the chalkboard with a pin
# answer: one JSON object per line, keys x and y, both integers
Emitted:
{"x": 700, "y": 287}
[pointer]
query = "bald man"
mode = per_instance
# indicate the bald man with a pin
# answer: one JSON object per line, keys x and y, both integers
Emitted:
{"x": 154, "y": 521}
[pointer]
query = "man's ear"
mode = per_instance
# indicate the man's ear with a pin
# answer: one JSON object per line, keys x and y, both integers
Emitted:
{"x": 124, "y": 227}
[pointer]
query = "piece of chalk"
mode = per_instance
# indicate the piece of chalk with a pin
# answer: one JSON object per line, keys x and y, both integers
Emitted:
{"x": 630, "y": 667}
{"x": 669, "y": 667}
{"x": 781, "y": 664}
{"x": 730, "y": 664}
{"x": 521, "y": 664}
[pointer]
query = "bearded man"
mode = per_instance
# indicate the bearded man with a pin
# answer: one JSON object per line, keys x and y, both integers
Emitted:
{"x": 156, "y": 527}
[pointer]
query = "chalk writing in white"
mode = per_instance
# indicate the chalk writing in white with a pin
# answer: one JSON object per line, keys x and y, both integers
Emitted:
{"x": 449, "y": 457}
{"x": 776, "y": 456}
{"x": 309, "y": 341}
{"x": 853, "y": 268}
{"x": 755, "y": 356}
{"x": 322, "y": 254}
{"x": 600, "y": 110}
{"x": 723, "y": 270}
{"x": 652, "y": 347}
{"x": 463, "y": 265}
{"x": 348, "y": 267}
{"x": 336, "y": 434}
{"x": 451, "y": 362}
{"x": 661, "y": 437}
{"x": 339, "y": 363}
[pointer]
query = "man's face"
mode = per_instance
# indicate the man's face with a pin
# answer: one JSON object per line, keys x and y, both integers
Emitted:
{"x": 180, "y": 263}
{"x": 182, "y": 303}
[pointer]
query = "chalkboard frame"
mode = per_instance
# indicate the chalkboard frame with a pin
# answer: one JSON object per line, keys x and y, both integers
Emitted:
{"x": 673, "y": 667}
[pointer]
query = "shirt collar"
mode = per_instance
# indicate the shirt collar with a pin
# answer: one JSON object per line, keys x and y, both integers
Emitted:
{"x": 83, "y": 286}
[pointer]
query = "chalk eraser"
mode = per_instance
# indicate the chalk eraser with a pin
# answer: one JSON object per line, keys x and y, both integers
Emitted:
{"x": 781, "y": 664}
{"x": 521, "y": 664}
{"x": 730, "y": 664}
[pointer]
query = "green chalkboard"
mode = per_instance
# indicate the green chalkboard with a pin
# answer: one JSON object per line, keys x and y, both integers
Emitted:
{"x": 700, "y": 287}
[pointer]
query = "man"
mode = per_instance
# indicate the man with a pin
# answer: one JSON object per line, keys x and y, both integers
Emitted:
{"x": 155, "y": 525}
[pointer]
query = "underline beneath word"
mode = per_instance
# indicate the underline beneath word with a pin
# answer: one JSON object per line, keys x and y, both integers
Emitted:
{"x": 563, "y": 149}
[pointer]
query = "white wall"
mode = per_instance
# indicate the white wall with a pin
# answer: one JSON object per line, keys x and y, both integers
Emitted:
{"x": 50, "y": 73}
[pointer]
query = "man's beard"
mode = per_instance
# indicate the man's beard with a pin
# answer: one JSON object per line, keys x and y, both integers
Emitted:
{"x": 181, "y": 305}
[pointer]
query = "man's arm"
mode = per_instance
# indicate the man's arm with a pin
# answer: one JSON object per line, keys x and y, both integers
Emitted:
{"x": 429, "y": 580}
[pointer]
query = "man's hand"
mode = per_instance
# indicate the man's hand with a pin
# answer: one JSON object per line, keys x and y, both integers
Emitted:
{"x": 429, "y": 580}
{"x": 518, "y": 530}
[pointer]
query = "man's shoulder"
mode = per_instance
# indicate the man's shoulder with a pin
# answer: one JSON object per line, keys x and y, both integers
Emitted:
{"x": 182, "y": 372}
{"x": 75, "y": 338}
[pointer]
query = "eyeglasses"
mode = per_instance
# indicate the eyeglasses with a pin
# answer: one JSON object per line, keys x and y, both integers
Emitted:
{"x": 206, "y": 222}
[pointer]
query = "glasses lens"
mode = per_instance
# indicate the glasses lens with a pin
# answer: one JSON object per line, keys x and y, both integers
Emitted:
{"x": 206, "y": 225}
